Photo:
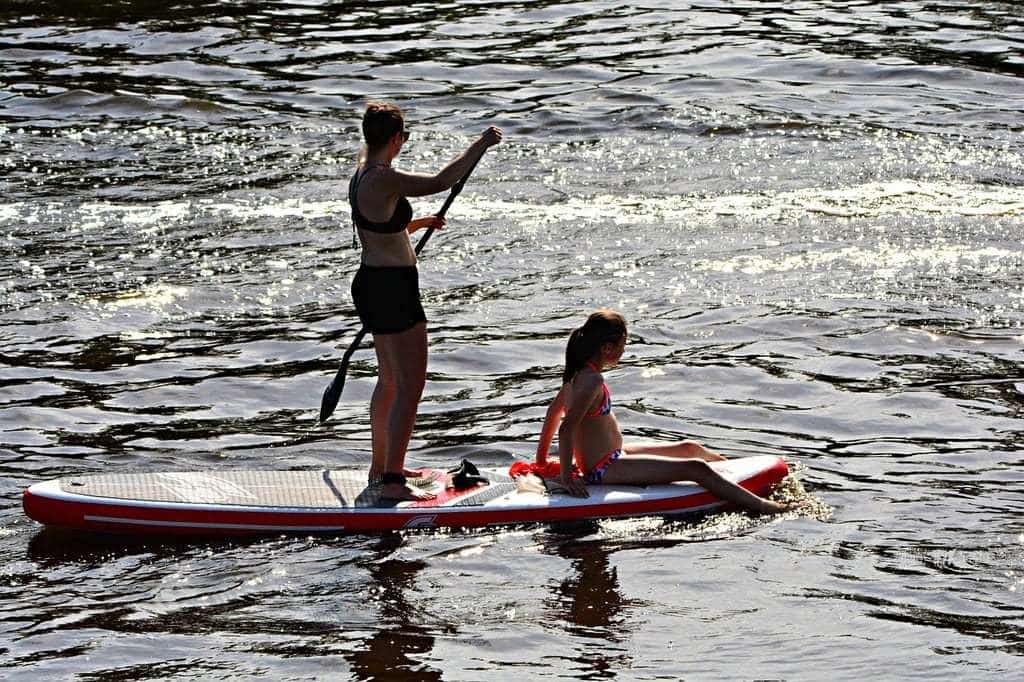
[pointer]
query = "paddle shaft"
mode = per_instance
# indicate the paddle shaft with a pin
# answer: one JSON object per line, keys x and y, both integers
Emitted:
{"x": 456, "y": 190}
{"x": 333, "y": 392}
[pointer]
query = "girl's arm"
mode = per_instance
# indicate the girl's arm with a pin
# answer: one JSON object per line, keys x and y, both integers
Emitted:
{"x": 551, "y": 420}
{"x": 417, "y": 185}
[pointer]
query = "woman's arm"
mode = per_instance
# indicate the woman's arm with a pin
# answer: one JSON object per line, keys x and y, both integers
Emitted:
{"x": 418, "y": 185}
{"x": 428, "y": 222}
{"x": 551, "y": 421}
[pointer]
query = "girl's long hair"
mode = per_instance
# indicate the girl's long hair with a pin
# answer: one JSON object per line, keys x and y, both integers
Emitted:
{"x": 603, "y": 326}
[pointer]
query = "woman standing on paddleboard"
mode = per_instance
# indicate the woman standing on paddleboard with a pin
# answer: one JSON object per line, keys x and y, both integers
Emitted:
{"x": 589, "y": 435}
{"x": 386, "y": 287}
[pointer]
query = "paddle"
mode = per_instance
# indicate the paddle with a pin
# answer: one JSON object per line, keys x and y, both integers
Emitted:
{"x": 333, "y": 392}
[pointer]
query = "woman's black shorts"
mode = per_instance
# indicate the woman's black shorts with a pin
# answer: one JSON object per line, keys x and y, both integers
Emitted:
{"x": 388, "y": 298}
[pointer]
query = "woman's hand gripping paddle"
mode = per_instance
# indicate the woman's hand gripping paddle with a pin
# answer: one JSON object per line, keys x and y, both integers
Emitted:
{"x": 333, "y": 392}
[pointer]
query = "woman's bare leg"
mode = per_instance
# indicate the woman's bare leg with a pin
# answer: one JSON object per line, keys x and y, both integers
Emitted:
{"x": 686, "y": 449}
{"x": 380, "y": 409}
{"x": 633, "y": 469}
{"x": 402, "y": 361}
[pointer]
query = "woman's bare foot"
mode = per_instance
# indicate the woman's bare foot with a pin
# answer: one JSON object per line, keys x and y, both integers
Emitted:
{"x": 402, "y": 492}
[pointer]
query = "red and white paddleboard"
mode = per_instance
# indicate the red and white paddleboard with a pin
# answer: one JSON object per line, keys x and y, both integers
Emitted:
{"x": 254, "y": 502}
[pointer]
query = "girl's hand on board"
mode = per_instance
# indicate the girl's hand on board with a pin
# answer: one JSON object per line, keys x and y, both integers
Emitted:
{"x": 574, "y": 485}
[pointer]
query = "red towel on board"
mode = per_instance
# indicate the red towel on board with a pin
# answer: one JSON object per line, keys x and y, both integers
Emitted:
{"x": 549, "y": 469}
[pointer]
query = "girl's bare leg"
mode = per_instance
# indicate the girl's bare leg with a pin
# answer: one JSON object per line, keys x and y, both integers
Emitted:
{"x": 633, "y": 469}
{"x": 686, "y": 449}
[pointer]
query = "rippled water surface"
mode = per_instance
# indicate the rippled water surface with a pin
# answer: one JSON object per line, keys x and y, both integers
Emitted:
{"x": 812, "y": 214}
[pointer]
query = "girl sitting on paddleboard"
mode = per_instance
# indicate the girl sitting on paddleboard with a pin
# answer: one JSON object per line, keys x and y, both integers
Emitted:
{"x": 589, "y": 434}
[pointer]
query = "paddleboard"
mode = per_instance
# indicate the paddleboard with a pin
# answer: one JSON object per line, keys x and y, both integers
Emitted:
{"x": 239, "y": 502}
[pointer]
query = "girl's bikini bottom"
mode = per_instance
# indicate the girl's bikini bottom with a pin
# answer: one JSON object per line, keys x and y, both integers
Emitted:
{"x": 596, "y": 474}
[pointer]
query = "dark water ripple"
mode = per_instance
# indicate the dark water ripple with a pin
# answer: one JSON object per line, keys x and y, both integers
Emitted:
{"x": 216, "y": 62}
{"x": 810, "y": 213}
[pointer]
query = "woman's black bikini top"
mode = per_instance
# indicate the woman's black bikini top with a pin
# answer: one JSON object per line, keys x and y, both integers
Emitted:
{"x": 399, "y": 219}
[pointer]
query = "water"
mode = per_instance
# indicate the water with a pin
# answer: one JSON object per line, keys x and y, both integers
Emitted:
{"x": 811, "y": 214}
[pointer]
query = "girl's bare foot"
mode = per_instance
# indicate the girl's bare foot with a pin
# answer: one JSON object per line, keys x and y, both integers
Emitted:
{"x": 772, "y": 507}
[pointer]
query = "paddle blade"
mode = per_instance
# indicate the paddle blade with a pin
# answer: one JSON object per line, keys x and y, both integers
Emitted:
{"x": 331, "y": 396}
{"x": 333, "y": 392}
